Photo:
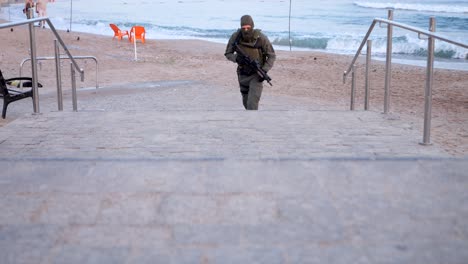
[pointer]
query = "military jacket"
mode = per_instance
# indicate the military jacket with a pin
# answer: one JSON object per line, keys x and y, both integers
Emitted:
{"x": 259, "y": 49}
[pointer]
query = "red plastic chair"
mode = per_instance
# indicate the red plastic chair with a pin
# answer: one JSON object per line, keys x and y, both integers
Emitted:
{"x": 119, "y": 33}
{"x": 137, "y": 32}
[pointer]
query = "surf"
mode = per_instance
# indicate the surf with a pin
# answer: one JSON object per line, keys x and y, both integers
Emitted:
{"x": 439, "y": 8}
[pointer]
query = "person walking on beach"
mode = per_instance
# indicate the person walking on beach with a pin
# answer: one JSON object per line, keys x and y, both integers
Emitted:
{"x": 257, "y": 47}
{"x": 28, "y": 5}
{"x": 41, "y": 9}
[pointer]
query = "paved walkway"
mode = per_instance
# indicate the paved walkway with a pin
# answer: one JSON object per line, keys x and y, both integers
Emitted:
{"x": 177, "y": 172}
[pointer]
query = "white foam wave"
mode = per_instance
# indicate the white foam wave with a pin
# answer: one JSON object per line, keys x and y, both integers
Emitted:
{"x": 404, "y": 44}
{"x": 415, "y": 7}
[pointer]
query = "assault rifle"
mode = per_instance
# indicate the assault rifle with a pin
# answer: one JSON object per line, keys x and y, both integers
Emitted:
{"x": 253, "y": 64}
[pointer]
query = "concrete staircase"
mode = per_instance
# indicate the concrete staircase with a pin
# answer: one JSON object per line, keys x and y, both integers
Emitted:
{"x": 178, "y": 172}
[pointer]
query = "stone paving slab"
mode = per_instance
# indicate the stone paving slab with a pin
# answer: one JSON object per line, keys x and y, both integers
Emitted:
{"x": 234, "y": 211}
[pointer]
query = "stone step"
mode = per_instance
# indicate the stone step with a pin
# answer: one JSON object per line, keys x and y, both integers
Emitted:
{"x": 225, "y": 134}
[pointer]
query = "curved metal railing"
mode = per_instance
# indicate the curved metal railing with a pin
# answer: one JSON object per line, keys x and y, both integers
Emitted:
{"x": 431, "y": 37}
{"x": 64, "y": 57}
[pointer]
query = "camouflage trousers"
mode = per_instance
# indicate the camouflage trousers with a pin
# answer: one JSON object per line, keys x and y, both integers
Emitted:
{"x": 251, "y": 89}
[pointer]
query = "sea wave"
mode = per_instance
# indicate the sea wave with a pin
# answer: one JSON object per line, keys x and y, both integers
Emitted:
{"x": 343, "y": 42}
{"x": 440, "y": 8}
{"x": 348, "y": 44}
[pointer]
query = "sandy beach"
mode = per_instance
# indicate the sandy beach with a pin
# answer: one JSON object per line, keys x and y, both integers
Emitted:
{"x": 314, "y": 76}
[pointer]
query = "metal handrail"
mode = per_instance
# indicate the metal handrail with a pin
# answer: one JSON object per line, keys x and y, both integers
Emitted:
{"x": 32, "y": 41}
{"x": 64, "y": 57}
{"x": 429, "y": 68}
{"x": 400, "y": 25}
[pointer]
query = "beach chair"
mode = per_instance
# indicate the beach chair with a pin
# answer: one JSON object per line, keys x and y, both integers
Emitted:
{"x": 118, "y": 33}
{"x": 11, "y": 95}
{"x": 137, "y": 32}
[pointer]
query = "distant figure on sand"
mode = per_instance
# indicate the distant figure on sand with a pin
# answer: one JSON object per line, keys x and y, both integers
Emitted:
{"x": 28, "y": 5}
{"x": 248, "y": 45}
{"x": 41, "y": 9}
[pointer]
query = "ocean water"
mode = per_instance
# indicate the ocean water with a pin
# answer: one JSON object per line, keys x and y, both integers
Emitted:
{"x": 335, "y": 26}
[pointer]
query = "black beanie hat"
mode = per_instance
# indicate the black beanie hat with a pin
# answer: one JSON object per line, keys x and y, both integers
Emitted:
{"x": 246, "y": 20}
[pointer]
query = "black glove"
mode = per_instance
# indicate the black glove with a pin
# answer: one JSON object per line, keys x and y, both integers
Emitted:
{"x": 260, "y": 78}
{"x": 238, "y": 59}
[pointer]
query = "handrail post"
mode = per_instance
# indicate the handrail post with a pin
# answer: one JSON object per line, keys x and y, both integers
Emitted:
{"x": 432, "y": 36}
{"x": 429, "y": 81}
{"x": 32, "y": 44}
{"x": 97, "y": 73}
{"x": 367, "y": 83}
{"x": 52, "y": 28}
{"x": 58, "y": 76}
{"x": 73, "y": 80}
{"x": 388, "y": 64}
{"x": 353, "y": 86}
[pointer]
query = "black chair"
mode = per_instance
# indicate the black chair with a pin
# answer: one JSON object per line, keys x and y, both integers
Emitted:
{"x": 11, "y": 95}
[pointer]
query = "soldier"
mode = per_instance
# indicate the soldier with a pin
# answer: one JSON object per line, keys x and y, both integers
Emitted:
{"x": 257, "y": 47}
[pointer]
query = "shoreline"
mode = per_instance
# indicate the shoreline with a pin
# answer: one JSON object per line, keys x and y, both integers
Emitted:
{"x": 312, "y": 76}
{"x": 398, "y": 58}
